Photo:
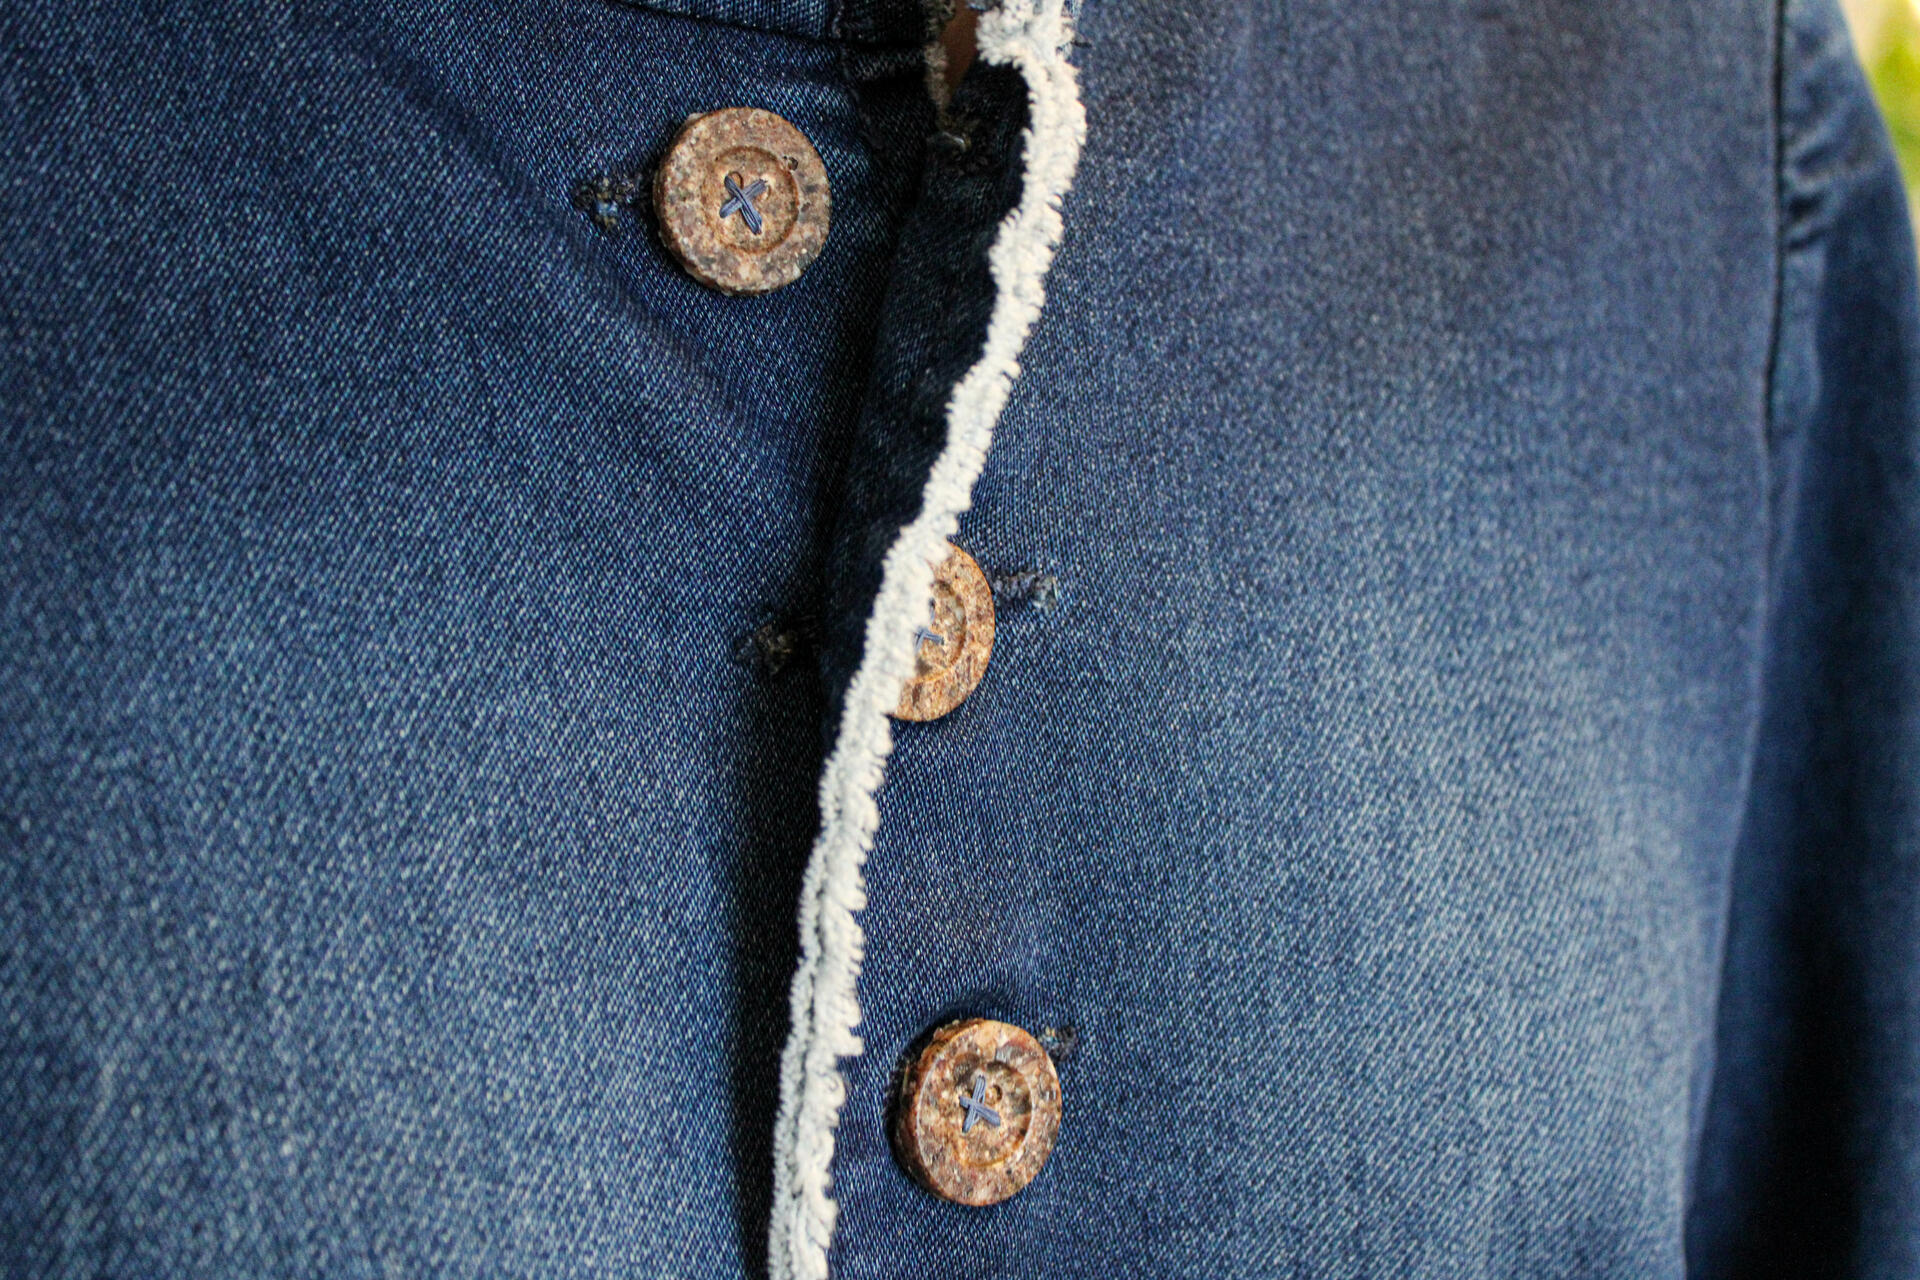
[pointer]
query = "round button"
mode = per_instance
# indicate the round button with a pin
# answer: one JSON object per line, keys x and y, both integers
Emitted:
{"x": 952, "y": 649}
{"x": 742, "y": 200}
{"x": 977, "y": 1113}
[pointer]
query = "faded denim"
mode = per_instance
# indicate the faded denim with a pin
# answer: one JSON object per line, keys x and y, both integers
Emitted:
{"x": 1458, "y": 807}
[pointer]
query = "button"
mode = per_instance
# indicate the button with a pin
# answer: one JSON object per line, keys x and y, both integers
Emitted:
{"x": 954, "y": 645}
{"x": 742, "y": 200}
{"x": 977, "y": 1112}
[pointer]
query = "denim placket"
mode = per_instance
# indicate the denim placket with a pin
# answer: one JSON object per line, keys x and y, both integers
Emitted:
{"x": 968, "y": 283}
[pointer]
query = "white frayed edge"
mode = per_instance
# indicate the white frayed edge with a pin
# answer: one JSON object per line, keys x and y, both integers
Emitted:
{"x": 1032, "y": 36}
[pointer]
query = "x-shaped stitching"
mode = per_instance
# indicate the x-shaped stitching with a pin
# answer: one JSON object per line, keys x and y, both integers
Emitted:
{"x": 977, "y": 1108}
{"x": 740, "y": 200}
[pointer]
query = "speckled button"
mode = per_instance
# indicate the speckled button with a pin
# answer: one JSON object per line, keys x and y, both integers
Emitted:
{"x": 977, "y": 1112}
{"x": 953, "y": 646}
{"x": 742, "y": 200}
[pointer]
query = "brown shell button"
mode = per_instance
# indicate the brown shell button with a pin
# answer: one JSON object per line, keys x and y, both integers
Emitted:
{"x": 977, "y": 1112}
{"x": 742, "y": 200}
{"x": 952, "y": 648}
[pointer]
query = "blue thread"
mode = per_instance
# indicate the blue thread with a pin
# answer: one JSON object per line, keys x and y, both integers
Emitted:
{"x": 740, "y": 201}
{"x": 976, "y": 1106}
{"x": 928, "y": 633}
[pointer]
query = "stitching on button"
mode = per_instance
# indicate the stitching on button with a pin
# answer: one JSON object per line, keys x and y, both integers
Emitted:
{"x": 976, "y": 1107}
{"x": 740, "y": 200}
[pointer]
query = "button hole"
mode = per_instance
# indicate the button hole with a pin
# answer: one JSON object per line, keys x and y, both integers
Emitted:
{"x": 778, "y": 643}
{"x": 1059, "y": 1042}
{"x": 604, "y": 197}
{"x": 1023, "y": 587}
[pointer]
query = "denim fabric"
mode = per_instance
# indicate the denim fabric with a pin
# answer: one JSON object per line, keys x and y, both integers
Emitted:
{"x": 401, "y": 827}
{"x": 1454, "y": 805}
{"x": 1812, "y": 1159}
{"x": 855, "y": 21}
{"x": 1396, "y": 433}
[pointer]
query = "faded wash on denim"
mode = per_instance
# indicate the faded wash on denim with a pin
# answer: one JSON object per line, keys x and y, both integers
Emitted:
{"x": 1464, "y": 798}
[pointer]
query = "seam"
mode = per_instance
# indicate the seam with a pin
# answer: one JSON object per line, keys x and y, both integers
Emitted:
{"x": 1032, "y": 36}
{"x": 1769, "y": 587}
{"x": 662, "y": 9}
{"x": 830, "y": 30}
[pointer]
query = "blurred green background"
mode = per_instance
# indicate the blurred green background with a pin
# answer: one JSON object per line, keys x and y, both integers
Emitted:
{"x": 1888, "y": 35}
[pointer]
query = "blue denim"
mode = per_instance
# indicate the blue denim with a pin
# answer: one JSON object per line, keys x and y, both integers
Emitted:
{"x": 1447, "y": 783}
{"x": 401, "y": 821}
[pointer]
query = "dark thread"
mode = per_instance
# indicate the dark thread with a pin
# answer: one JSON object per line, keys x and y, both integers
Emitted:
{"x": 952, "y": 142}
{"x": 775, "y": 645}
{"x": 977, "y": 1108}
{"x": 1025, "y": 586}
{"x": 740, "y": 201}
{"x": 606, "y": 196}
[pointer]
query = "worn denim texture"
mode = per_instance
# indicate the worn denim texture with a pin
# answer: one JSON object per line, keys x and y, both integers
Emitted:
{"x": 1462, "y": 798}
{"x": 401, "y": 828}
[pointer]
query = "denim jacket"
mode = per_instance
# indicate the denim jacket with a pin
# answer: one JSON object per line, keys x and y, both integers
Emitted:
{"x": 1446, "y": 790}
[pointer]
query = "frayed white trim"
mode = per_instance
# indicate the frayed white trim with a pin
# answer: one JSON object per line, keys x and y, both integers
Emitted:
{"x": 1032, "y": 36}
